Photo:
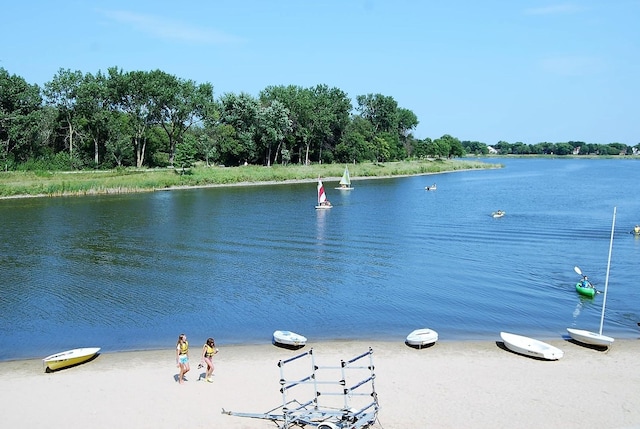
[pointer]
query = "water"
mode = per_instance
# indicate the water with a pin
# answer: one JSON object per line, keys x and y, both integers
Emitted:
{"x": 131, "y": 272}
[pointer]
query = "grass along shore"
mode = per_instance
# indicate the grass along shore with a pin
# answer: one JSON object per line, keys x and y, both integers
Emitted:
{"x": 15, "y": 184}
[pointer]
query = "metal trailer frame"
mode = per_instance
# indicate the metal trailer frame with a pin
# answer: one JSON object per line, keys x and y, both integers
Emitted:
{"x": 293, "y": 413}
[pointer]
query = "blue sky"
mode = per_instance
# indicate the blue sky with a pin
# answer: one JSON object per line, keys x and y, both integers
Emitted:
{"x": 520, "y": 71}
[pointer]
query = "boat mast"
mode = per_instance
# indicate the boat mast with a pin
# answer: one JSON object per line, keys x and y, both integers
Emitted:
{"x": 606, "y": 281}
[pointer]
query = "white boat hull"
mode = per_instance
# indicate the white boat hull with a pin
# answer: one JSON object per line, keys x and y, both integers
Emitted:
{"x": 588, "y": 337}
{"x": 289, "y": 338}
{"x": 530, "y": 347}
{"x": 69, "y": 358}
{"x": 422, "y": 337}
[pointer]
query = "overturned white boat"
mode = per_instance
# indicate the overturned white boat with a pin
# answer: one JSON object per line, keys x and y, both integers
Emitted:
{"x": 289, "y": 338}
{"x": 422, "y": 337}
{"x": 530, "y": 347}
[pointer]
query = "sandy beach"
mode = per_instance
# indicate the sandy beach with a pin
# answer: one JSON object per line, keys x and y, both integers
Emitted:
{"x": 448, "y": 385}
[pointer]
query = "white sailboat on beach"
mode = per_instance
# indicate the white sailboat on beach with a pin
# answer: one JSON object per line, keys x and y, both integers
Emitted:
{"x": 596, "y": 338}
{"x": 323, "y": 202}
{"x": 345, "y": 181}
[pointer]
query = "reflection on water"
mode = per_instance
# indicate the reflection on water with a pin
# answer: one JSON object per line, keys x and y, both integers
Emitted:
{"x": 133, "y": 271}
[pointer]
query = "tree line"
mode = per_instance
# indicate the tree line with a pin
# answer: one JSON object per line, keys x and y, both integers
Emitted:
{"x": 547, "y": 148}
{"x": 154, "y": 119}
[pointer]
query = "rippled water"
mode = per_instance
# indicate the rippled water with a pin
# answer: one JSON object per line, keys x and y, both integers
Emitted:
{"x": 133, "y": 271}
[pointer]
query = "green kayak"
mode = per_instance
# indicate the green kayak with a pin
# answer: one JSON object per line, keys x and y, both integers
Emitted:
{"x": 586, "y": 291}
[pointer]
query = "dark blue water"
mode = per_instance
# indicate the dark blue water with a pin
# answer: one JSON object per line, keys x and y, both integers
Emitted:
{"x": 132, "y": 272}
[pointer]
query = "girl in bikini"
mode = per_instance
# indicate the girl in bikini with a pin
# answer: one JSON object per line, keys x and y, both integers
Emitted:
{"x": 208, "y": 350}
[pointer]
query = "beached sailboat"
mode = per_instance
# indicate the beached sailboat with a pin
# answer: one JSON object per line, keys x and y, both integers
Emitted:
{"x": 593, "y": 338}
{"x": 345, "y": 181}
{"x": 530, "y": 347}
{"x": 69, "y": 358}
{"x": 323, "y": 202}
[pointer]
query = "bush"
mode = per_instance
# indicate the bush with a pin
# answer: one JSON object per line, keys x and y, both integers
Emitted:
{"x": 160, "y": 159}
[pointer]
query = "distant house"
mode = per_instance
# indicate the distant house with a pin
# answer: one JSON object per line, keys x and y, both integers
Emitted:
{"x": 492, "y": 150}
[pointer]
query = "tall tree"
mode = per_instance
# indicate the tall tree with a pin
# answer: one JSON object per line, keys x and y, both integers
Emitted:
{"x": 95, "y": 108}
{"x": 180, "y": 104}
{"x": 298, "y": 102}
{"x": 380, "y": 110}
{"x": 133, "y": 95}
{"x": 274, "y": 124}
{"x": 407, "y": 121}
{"x": 20, "y": 118}
{"x": 329, "y": 116}
{"x": 242, "y": 113}
{"x": 62, "y": 93}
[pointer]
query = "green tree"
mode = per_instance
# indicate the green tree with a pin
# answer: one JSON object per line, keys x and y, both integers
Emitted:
{"x": 407, "y": 121}
{"x": 21, "y": 115}
{"x": 297, "y": 100}
{"x": 62, "y": 93}
{"x": 274, "y": 123}
{"x": 133, "y": 94}
{"x": 329, "y": 117}
{"x": 357, "y": 143}
{"x": 563, "y": 149}
{"x": 118, "y": 147}
{"x": 381, "y": 111}
{"x": 475, "y": 147}
{"x": 424, "y": 148}
{"x": 179, "y": 105}
{"x": 94, "y": 108}
{"x": 242, "y": 113}
{"x": 186, "y": 153}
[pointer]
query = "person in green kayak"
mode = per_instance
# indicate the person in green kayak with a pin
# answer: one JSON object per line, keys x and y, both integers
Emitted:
{"x": 585, "y": 282}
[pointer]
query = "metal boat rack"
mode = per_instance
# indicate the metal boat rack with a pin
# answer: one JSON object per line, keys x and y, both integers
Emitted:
{"x": 338, "y": 405}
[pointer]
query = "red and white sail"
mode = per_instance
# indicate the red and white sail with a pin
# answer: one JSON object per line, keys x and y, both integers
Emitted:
{"x": 322, "y": 197}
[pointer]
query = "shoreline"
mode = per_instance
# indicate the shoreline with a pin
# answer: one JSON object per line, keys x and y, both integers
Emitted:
{"x": 448, "y": 385}
{"x": 122, "y": 191}
{"x": 632, "y": 335}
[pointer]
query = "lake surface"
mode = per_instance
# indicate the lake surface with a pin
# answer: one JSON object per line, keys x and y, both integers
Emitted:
{"x": 131, "y": 272}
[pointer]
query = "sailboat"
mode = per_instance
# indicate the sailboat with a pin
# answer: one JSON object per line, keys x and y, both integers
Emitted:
{"x": 593, "y": 338}
{"x": 323, "y": 202}
{"x": 345, "y": 181}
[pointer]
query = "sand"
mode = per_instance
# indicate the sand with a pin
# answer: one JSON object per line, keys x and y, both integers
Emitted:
{"x": 449, "y": 385}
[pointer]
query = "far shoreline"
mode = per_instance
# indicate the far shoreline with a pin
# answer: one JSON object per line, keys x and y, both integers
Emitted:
{"x": 328, "y": 179}
{"x": 324, "y": 180}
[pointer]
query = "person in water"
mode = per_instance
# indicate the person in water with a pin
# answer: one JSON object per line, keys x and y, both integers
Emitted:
{"x": 586, "y": 283}
{"x": 208, "y": 350}
{"x": 636, "y": 229}
{"x": 182, "y": 357}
